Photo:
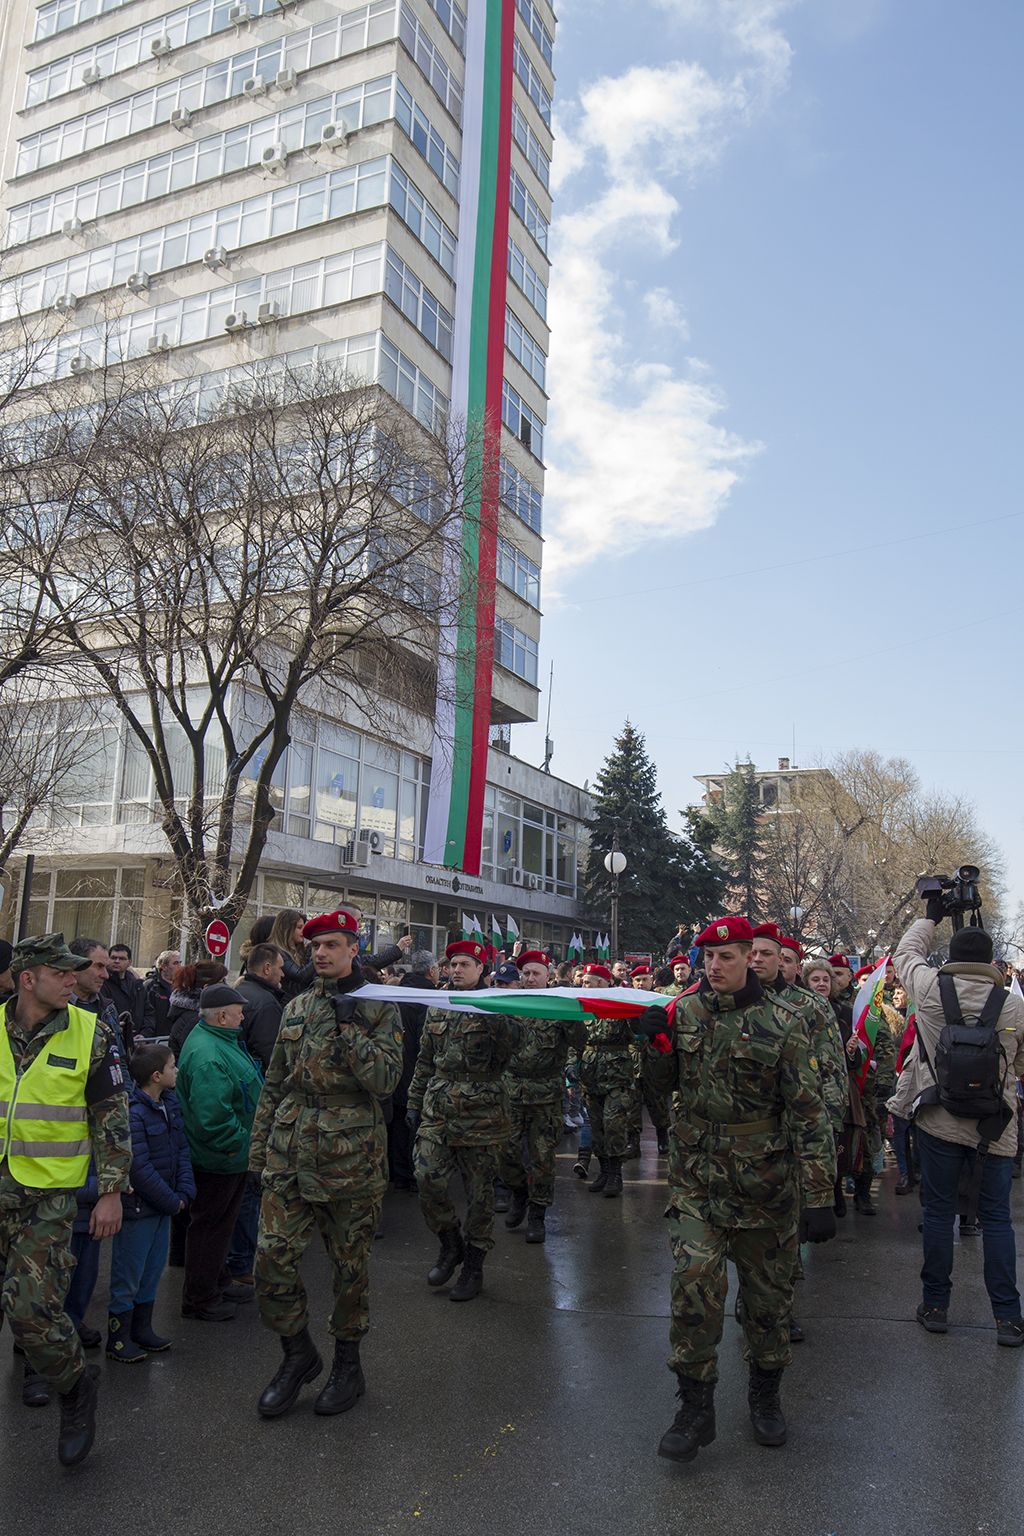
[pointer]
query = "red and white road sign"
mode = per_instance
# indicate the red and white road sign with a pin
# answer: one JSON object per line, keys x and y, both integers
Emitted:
{"x": 218, "y": 937}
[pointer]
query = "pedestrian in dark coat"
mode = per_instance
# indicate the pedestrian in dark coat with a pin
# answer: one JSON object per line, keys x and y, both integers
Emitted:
{"x": 264, "y": 1001}
{"x": 183, "y": 1011}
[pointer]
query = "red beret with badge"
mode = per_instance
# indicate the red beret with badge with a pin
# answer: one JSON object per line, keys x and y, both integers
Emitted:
{"x": 794, "y": 944}
{"x": 594, "y": 968}
{"x": 641, "y": 970}
{"x": 839, "y": 962}
{"x": 533, "y": 957}
{"x": 768, "y": 931}
{"x": 341, "y": 921}
{"x": 471, "y": 947}
{"x": 679, "y": 960}
{"x": 725, "y": 930}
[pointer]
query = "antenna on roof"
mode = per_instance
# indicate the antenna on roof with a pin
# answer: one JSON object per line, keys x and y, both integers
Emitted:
{"x": 549, "y": 746}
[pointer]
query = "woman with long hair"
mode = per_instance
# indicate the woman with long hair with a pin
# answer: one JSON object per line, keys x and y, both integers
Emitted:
{"x": 183, "y": 1008}
{"x": 286, "y": 933}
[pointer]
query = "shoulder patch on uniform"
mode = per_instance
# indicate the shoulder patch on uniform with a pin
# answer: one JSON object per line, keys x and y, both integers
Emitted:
{"x": 814, "y": 1063}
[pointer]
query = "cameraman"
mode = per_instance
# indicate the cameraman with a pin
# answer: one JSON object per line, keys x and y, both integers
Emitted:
{"x": 948, "y": 1143}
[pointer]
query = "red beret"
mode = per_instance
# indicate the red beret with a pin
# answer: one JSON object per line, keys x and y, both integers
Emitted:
{"x": 839, "y": 962}
{"x": 594, "y": 968}
{"x": 725, "y": 930}
{"x": 331, "y": 922}
{"x": 533, "y": 957}
{"x": 865, "y": 970}
{"x": 793, "y": 944}
{"x": 680, "y": 960}
{"x": 492, "y": 953}
{"x": 641, "y": 970}
{"x": 768, "y": 931}
{"x": 470, "y": 947}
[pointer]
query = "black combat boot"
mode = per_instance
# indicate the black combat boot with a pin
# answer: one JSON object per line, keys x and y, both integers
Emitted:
{"x": 450, "y": 1256}
{"x": 120, "y": 1344}
{"x": 694, "y": 1424}
{"x": 502, "y": 1197}
{"x": 345, "y": 1385}
{"x": 839, "y": 1202}
{"x": 632, "y": 1146}
{"x": 601, "y": 1179}
{"x": 765, "y": 1408}
{"x": 301, "y": 1363}
{"x": 78, "y": 1418}
{"x": 471, "y": 1281}
{"x": 535, "y": 1232}
{"x": 613, "y": 1185}
{"x": 517, "y": 1210}
{"x": 35, "y": 1389}
{"x": 862, "y": 1200}
{"x": 143, "y": 1332}
{"x": 581, "y": 1167}
{"x": 663, "y": 1143}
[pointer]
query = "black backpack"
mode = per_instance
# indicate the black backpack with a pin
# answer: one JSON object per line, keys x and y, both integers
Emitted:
{"x": 970, "y": 1066}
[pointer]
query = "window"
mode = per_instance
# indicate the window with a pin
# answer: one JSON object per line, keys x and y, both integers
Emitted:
{"x": 522, "y": 498}
{"x": 424, "y": 220}
{"x": 515, "y": 651}
{"x": 453, "y": 18}
{"x": 427, "y": 140}
{"x": 528, "y": 211}
{"x": 530, "y": 12}
{"x": 531, "y": 80}
{"x": 526, "y": 279}
{"x": 444, "y": 83}
{"x": 518, "y": 572}
{"x": 530, "y": 145}
{"x": 202, "y": 160}
{"x": 61, "y": 15}
{"x": 410, "y": 386}
{"x": 419, "y": 305}
{"x": 521, "y": 421}
{"x": 524, "y": 348}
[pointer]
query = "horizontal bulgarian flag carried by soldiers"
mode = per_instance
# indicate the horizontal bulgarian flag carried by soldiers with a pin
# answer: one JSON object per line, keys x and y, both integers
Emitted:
{"x": 542, "y": 1003}
{"x": 867, "y": 1013}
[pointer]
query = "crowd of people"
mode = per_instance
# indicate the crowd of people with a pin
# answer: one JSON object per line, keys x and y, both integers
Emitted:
{"x": 216, "y": 1122}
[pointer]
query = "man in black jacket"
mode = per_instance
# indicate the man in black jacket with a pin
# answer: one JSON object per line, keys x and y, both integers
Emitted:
{"x": 264, "y": 1000}
{"x": 123, "y": 988}
{"x": 157, "y": 989}
{"x": 424, "y": 973}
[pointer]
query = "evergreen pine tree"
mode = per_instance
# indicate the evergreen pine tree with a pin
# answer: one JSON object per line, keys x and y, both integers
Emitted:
{"x": 667, "y": 879}
{"x": 736, "y": 824}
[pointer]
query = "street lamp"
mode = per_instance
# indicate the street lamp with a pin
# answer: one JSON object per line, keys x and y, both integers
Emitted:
{"x": 615, "y": 863}
{"x": 796, "y": 917}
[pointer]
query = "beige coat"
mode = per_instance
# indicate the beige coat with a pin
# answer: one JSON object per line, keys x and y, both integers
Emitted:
{"x": 973, "y": 984}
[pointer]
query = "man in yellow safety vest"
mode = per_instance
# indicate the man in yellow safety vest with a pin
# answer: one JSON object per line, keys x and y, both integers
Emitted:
{"x": 62, "y": 1101}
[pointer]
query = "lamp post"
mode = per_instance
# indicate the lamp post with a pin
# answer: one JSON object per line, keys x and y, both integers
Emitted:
{"x": 796, "y": 917}
{"x": 615, "y": 863}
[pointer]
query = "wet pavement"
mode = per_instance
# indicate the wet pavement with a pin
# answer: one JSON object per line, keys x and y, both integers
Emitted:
{"x": 538, "y": 1407}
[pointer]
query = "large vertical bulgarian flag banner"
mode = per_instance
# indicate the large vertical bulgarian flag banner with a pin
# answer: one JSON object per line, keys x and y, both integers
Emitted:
{"x": 466, "y": 653}
{"x": 867, "y": 1014}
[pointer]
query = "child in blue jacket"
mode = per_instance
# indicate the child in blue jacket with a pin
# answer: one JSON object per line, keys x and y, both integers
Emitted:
{"x": 162, "y": 1185}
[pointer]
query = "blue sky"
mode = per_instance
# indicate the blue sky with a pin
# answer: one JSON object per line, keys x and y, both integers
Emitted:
{"x": 785, "y": 424}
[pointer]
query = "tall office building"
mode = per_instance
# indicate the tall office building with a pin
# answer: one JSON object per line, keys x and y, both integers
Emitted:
{"x": 366, "y": 185}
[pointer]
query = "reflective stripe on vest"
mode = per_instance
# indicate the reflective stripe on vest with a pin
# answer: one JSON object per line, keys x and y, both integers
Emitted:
{"x": 43, "y": 1115}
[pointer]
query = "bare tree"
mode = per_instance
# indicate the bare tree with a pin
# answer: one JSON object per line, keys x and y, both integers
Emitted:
{"x": 44, "y": 746}
{"x": 211, "y": 569}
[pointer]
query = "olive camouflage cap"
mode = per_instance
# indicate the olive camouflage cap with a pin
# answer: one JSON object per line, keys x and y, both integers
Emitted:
{"x": 46, "y": 949}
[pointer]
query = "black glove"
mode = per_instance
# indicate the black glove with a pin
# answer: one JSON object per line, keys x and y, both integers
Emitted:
{"x": 653, "y": 1021}
{"x": 412, "y": 1120}
{"x": 817, "y": 1224}
{"x": 934, "y": 911}
{"x": 344, "y": 1007}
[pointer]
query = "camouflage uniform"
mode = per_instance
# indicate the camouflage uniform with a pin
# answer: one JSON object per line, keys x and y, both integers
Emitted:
{"x": 609, "y": 1082}
{"x": 827, "y": 1049}
{"x": 319, "y": 1142}
{"x": 750, "y": 1143}
{"x": 881, "y": 1081}
{"x": 657, "y": 1105}
{"x": 35, "y": 1225}
{"x": 536, "y": 1084}
{"x": 459, "y": 1090}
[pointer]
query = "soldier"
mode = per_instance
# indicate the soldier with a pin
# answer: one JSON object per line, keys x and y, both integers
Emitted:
{"x": 320, "y": 1145}
{"x": 658, "y": 1106}
{"x": 536, "y": 1084}
{"x": 609, "y": 1082}
{"x": 879, "y": 1086}
{"x": 750, "y": 1145}
{"x": 459, "y": 1113}
{"x": 62, "y": 1099}
{"x": 680, "y": 976}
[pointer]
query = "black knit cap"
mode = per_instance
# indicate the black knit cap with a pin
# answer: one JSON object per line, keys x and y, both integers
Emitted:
{"x": 219, "y": 995}
{"x": 972, "y": 944}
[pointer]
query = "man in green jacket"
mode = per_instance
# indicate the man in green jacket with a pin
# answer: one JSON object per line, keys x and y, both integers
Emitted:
{"x": 218, "y": 1085}
{"x": 320, "y": 1145}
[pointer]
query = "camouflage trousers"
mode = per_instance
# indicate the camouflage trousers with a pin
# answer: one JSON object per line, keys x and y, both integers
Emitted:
{"x": 610, "y": 1119}
{"x": 764, "y": 1259}
{"x": 36, "y": 1266}
{"x": 539, "y": 1126}
{"x": 657, "y": 1105}
{"x": 286, "y": 1227}
{"x": 434, "y": 1163}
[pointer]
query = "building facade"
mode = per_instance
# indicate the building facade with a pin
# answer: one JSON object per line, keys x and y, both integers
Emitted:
{"x": 223, "y": 181}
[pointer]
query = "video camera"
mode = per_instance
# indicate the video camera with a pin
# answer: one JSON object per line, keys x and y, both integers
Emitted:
{"x": 959, "y": 893}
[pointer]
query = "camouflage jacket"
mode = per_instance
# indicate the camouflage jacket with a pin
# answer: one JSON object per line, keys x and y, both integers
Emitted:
{"x": 605, "y": 1060}
{"x": 890, "y": 1033}
{"x": 106, "y": 1097}
{"x": 536, "y": 1072}
{"x": 459, "y": 1086}
{"x": 319, "y": 1119}
{"x": 827, "y": 1050}
{"x": 744, "y": 1060}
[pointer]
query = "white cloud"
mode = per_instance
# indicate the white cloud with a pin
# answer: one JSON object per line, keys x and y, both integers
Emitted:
{"x": 637, "y": 449}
